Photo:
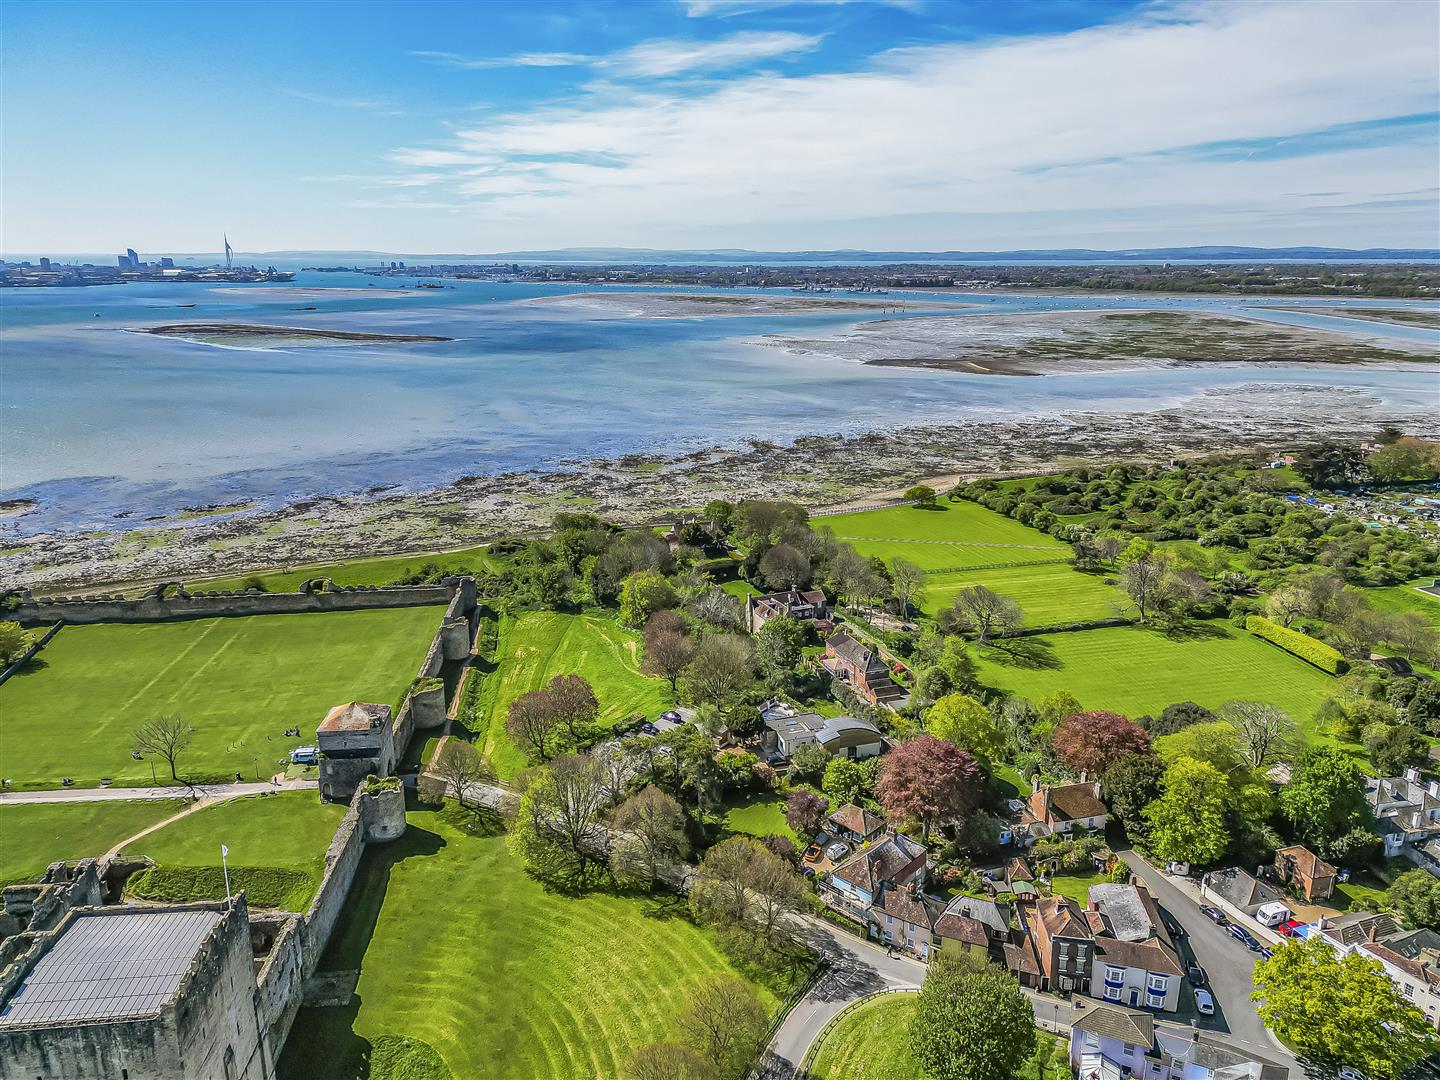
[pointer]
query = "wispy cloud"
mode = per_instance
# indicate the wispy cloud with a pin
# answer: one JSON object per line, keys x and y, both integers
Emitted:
{"x": 659, "y": 58}
{"x": 699, "y": 9}
{"x": 384, "y": 108}
{"x": 1046, "y": 124}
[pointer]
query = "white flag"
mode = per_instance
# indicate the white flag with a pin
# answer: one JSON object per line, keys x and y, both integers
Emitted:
{"x": 224, "y": 850}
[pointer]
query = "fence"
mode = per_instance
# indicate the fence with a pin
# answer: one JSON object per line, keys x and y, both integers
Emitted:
{"x": 30, "y": 652}
{"x": 761, "y": 1068}
{"x": 814, "y": 1049}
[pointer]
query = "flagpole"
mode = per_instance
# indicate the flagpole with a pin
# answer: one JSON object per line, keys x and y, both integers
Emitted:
{"x": 225, "y": 867}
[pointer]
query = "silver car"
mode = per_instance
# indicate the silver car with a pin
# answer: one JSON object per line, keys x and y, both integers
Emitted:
{"x": 837, "y": 850}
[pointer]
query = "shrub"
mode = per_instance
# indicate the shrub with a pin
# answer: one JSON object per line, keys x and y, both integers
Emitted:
{"x": 373, "y": 785}
{"x": 1294, "y": 642}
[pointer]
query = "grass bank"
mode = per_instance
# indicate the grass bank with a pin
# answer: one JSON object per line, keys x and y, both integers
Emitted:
{"x": 33, "y": 835}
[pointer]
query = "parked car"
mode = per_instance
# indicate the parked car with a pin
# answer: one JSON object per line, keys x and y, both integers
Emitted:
{"x": 807, "y": 871}
{"x": 649, "y": 728}
{"x": 672, "y": 716}
{"x": 812, "y": 853}
{"x": 1215, "y": 915}
{"x": 1288, "y": 927}
{"x": 1240, "y": 934}
{"x": 305, "y": 755}
{"x": 1204, "y": 1003}
{"x": 1348, "y": 1073}
{"x": 1196, "y": 974}
{"x": 837, "y": 851}
{"x": 1178, "y": 869}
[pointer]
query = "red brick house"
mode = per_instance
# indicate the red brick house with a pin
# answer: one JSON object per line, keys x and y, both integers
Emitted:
{"x": 859, "y": 666}
{"x": 1304, "y": 871}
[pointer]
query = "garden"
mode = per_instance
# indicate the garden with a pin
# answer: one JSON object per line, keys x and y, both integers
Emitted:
{"x": 238, "y": 683}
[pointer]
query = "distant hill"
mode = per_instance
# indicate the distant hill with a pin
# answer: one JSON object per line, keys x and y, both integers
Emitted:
{"x": 1213, "y": 253}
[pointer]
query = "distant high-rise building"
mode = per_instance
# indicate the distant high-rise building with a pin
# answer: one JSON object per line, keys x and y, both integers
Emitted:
{"x": 44, "y": 263}
{"x": 167, "y": 263}
{"x": 135, "y": 262}
{"x": 125, "y": 262}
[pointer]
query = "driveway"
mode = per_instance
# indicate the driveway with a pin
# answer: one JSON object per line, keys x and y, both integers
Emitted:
{"x": 1229, "y": 965}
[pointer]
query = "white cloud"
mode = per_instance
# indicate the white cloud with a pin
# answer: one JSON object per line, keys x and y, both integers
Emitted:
{"x": 481, "y": 63}
{"x": 1076, "y": 123}
{"x": 697, "y": 9}
{"x": 385, "y": 108}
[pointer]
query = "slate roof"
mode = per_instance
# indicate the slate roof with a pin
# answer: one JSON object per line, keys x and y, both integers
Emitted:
{"x": 881, "y": 862}
{"x": 983, "y": 910}
{"x": 1137, "y": 1029}
{"x": 1211, "y": 1051}
{"x": 1241, "y": 888}
{"x": 847, "y": 731}
{"x": 853, "y": 651}
{"x": 111, "y": 967}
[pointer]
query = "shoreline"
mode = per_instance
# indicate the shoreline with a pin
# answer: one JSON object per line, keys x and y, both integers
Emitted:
{"x": 823, "y": 472}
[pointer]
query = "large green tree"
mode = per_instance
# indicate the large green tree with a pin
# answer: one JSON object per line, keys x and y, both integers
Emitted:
{"x": 1340, "y": 1010}
{"x": 972, "y": 1021}
{"x": 1187, "y": 822}
{"x": 1130, "y": 785}
{"x": 643, "y": 594}
{"x": 1325, "y": 799}
{"x": 1415, "y": 897}
{"x": 960, "y": 719}
{"x": 778, "y": 648}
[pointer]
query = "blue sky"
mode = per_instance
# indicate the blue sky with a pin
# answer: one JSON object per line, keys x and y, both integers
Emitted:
{"x": 914, "y": 124}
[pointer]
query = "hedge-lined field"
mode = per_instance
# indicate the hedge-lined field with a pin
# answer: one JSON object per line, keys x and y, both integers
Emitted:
{"x": 539, "y": 645}
{"x": 277, "y": 851}
{"x": 462, "y": 952}
{"x": 958, "y": 534}
{"x": 240, "y": 682}
{"x": 1051, "y": 594}
{"x": 384, "y": 571}
{"x": 1311, "y": 650}
{"x": 33, "y": 835}
{"x": 1135, "y": 671}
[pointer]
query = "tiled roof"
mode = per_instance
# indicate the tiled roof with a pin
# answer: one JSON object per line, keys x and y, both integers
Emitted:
{"x": 1305, "y": 861}
{"x": 1061, "y": 918}
{"x": 1021, "y": 958}
{"x": 1017, "y": 869}
{"x": 1149, "y": 955}
{"x": 1137, "y": 1029}
{"x": 857, "y": 819}
{"x": 881, "y": 862}
{"x": 1072, "y": 802}
{"x": 908, "y": 907}
{"x": 355, "y": 716}
{"x": 960, "y": 928}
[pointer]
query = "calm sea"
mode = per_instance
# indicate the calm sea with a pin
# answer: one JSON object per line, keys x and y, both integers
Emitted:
{"x": 104, "y": 428}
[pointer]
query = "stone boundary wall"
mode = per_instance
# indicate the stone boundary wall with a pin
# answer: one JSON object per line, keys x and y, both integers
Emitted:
{"x": 151, "y": 608}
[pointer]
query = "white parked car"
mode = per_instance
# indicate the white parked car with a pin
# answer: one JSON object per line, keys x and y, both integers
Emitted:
{"x": 1204, "y": 1003}
{"x": 837, "y": 851}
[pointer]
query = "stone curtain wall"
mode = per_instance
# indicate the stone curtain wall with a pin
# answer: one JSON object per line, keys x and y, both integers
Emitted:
{"x": 151, "y": 608}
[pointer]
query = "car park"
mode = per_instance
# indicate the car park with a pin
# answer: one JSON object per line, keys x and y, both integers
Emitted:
{"x": 1215, "y": 915}
{"x": 1204, "y": 1003}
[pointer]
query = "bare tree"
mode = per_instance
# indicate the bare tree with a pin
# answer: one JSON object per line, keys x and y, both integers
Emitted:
{"x": 653, "y": 837}
{"x": 909, "y": 583}
{"x": 462, "y": 768}
{"x": 717, "y": 608}
{"x": 985, "y": 613}
{"x": 724, "y": 1022}
{"x": 166, "y": 737}
{"x": 1267, "y": 733}
{"x": 1414, "y": 636}
{"x": 666, "y": 654}
{"x": 667, "y": 1061}
{"x": 1109, "y": 548}
{"x": 1145, "y": 585}
{"x": 777, "y": 892}
{"x": 559, "y": 830}
{"x": 574, "y": 704}
{"x": 533, "y": 725}
{"x": 1288, "y": 603}
{"x": 719, "y": 890}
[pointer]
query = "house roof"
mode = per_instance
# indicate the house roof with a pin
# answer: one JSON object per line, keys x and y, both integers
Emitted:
{"x": 853, "y": 651}
{"x": 797, "y": 724}
{"x": 108, "y": 967}
{"x": 1061, "y": 917}
{"x": 961, "y": 928}
{"x": 842, "y": 731}
{"x": 1305, "y": 861}
{"x": 983, "y": 910}
{"x": 1021, "y": 958}
{"x": 1135, "y": 1028}
{"x": 1213, "y": 1051}
{"x": 903, "y": 904}
{"x": 858, "y": 820}
{"x": 355, "y": 716}
{"x": 1241, "y": 888}
{"x": 1127, "y": 916}
{"x": 881, "y": 862}
{"x": 1072, "y": 802}
{"x": 1357, "y": 926}
{"x": 1152, "y": 955}
{"x": 1017, "y": 869}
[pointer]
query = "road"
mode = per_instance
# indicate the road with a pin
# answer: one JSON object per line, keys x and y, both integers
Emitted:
{"x": 121, "y": 794}
{"x": 1228, "y": 964}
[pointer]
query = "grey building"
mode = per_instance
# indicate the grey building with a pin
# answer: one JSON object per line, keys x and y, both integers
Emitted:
{"x": 136, "y": 994}
{"x": 355, "y": 739}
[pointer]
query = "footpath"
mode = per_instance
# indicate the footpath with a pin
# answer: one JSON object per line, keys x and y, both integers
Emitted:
{"x": 123, "y": 794}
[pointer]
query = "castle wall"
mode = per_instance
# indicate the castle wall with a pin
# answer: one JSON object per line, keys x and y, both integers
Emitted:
{"x": 342, "y": 859}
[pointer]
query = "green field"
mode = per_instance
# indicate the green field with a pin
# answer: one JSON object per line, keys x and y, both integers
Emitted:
{"x": 1137, "y": 671}
{"x": 33, "y": 835}
{"x": 239, "y": 682}
{"x": 1399, "y": 598}
{"x": 459, "y": 949}
{"x": 356, "y": 572}
{"x": 277, "y": 851}
{"x": 1051, "y": 594}
{"x": 758, "y": 815}
{"x": 539, "y": 645}
{"x": 872, "y": 1042}
{"x": 959, "y": 534}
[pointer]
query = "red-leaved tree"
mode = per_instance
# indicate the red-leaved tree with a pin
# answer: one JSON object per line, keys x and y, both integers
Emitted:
{"x": 927, "y": 780}
{"x": 804, "y": 811}
{"x": 1090, "y": 742}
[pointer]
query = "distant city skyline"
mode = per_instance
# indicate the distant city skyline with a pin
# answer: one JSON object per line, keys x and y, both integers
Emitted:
{"x": 905, "y": 125}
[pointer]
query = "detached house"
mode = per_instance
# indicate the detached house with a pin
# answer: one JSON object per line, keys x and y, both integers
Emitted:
{"x": 812, "y": 607}
{"x": 855, "y": 824}
{"x": 1134, "y": 954}
{"x": 1059, "y": 809}
{"x": 1108, "y": 1042}
{"x": 862, "y": 669}
{"x": 1304, "y": 871}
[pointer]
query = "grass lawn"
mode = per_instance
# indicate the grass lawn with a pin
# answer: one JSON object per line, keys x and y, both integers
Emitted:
{"x": 958, "y": 534}
{"x": 759, "y": 814}
{"x": 1136, "y": 671}
{"x": 538, "y": 646}
{"x": 872, "y": 1042}
{"x": 1051, "y": 594}
{"x": 277, "y": 851}
{"x": 1399, "y": 598}
{"x": 1076, "y": 886}
{"x": 357, "y": 571}
{"x": 239, "y": 682}
{"x": 740, "y": 589}
{"x": 33, "y": 835}
{"x": 461, "y": 951}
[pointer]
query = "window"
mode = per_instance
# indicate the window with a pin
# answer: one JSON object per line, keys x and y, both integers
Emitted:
{"x": 1112, "y": 993}
{"x": 1064, "y": 949}
{"x": 1158, "y": 984}
{"x": 1409, "y": 990}
{"x": 888, "y": 920}
{"x": 1113, "y": 974}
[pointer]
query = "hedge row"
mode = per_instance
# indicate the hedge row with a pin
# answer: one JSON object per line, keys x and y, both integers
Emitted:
{"x": 264, "y": 886}
{"x": 1302, "y": 645}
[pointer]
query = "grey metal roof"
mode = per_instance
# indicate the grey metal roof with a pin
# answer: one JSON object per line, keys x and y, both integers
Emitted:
{"x": 1121, "y": 905}
{"x": 842, "y": 727}
{"x": 110, "y": 967}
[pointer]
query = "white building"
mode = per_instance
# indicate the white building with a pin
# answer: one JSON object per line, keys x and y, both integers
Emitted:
{"x": 1111, "y": 1043}
{"x": 1136, "y": 963}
